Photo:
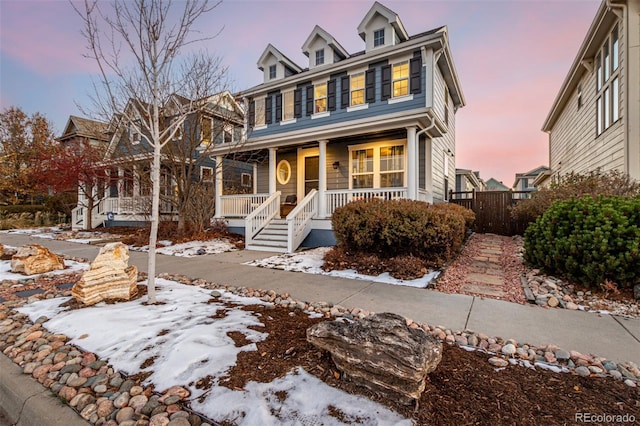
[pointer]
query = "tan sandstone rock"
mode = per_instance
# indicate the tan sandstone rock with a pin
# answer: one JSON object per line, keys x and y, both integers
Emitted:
{"x": 35, "y": 259}
{"x": 108, "y": 278}
{"x": 1, "y": 250}
{"x": 381, "y": 353}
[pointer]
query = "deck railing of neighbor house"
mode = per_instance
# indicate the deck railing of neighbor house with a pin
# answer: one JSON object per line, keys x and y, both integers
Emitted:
{"x": 340, "y": 197}
{"x": 299, "y": 220}
{"x": 140, "y": 205}
{"x": 241, "y": 205}
{"x": 261, "y": 216}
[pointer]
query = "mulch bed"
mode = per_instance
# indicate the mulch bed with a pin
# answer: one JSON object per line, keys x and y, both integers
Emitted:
{"x": 464, "y": 389}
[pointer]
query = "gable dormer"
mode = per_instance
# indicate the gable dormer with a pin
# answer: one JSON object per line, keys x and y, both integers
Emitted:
{"x": 322, "y": 49}
{"x": 381, "y": 27}
{"x": 276, "y": 65}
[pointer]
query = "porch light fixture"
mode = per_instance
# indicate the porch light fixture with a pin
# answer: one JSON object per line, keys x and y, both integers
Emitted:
{"x": 336, "y": 165}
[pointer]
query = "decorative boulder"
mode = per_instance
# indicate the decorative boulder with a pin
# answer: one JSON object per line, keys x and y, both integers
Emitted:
{"x": 380, "y": 353}
{"x": 108, "y": 278}
{"x": 1, "y": 250}
{"x": 35, "y": 259}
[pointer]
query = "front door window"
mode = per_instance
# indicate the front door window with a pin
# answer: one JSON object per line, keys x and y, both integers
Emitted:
{"x": 311, "y": 173}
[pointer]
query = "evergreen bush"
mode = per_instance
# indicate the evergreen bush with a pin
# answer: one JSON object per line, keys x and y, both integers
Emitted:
{"x": 588, "y": 240}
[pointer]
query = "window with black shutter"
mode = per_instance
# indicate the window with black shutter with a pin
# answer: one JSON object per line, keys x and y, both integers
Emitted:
{"x": 252, "y": 113}
{"x": 278, "y": 107}
{"x": 344, "y": 92}
{"x": 267, "y": 109}
{"x": 370, "y": 86}
{"x": 297, "y": 103}
{"x": 331, "y": 95}
{"x": 415, "y": 69}
{"x": 386, "y": 82}
{"x": 309, "y": 100}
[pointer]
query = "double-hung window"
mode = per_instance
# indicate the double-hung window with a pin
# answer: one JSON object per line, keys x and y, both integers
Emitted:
{"x": 400, "y": 82}
{"x": 608, "y": 83}
{"x": 272, "y": 72}
{"x": 320, "y": 98}
{"x": 357, "y": 89}
{"x": 319, "y": 57}
{"x": 259, "y": 112}
{"x": 287, "y": 113}
{"x": 378, "y": 166}
{"x": 206, "y": 130}
{"x": 378, "y": 38}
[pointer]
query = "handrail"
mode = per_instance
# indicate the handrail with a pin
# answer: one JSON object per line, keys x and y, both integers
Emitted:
{"x": 240, "y": 205}
{"x": 261, "y": 216}
{"x": 299, "y": 220}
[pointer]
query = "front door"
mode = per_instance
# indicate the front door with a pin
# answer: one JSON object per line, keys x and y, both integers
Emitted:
{"x": 311, "y": 170}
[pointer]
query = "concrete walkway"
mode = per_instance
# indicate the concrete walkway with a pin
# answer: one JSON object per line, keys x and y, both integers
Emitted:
{"x": 612, "y": 337}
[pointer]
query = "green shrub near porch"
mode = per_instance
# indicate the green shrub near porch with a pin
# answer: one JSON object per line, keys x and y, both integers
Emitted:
{"x": 588, "y": 240}
{"x": 400, "y": 228}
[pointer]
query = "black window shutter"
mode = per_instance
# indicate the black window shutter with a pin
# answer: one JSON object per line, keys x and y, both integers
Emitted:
{"x": 267, "y": 109}
{"x": 297, "y": 103}
{"x": 278, "y": 107}
{"x": 415, "y": 72}
{"x": 370, "y": 85}
{"x": 309, "y": 99}
{"x": 252, "y": 113}
{"x": 331, "y": 95}
{"x": 386, "y": 82}
{"x": 344, "y": 92}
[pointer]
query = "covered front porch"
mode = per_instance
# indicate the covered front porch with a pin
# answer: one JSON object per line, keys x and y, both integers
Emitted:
{"x": 297, "y": 188}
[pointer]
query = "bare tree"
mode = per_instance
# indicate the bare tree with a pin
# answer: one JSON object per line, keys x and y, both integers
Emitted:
{"x": 147, "y": 75}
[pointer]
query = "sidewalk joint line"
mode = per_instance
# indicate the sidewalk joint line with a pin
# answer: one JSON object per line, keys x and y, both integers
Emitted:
{"x": 625, "y": 328}
{"x": 466, "y": 323}
{"x": 371, "y": 283}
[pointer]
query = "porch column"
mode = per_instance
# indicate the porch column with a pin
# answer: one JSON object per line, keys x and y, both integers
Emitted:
{"x": 218, "y": 187}
{"x": 428, "y": 168}
{"x": 272, "y": 171}
{"x": 322, "y": 178}
{"x": 412, "y": 156}
{"x": 255, "y": 178}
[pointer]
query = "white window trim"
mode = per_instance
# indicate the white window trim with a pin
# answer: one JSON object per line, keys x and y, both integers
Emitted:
{"x": 287, "y": 165}
{"x": 293, "y": 112}
{"x": 260, "y": 127}
{"x": 326, "y": 98}
{"x": 357, "y": 107}
{"x": 604, "y": 105}
{"x": 403, "y": 98}
{"x": 259, "y": 112}
{"x": 376, "y": 160}
{"x": 364, "y": 88}
{"x": 384, "y": 37}
{"x": 408, "y": 78}
{"x": 320, "y": 114}
{"x": 286, "y": 122}
{"x": 202, "y": 174}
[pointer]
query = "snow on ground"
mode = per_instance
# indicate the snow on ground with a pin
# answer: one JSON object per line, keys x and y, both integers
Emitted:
{"x": 187, "y": 344}
{"x": 311, "y": 261}
{"x": 70, "y": 266}
{"x": 192, "y": 248}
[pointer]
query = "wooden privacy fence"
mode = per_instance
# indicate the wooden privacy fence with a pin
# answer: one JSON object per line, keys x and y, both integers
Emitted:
{"x": 492, "y": 209}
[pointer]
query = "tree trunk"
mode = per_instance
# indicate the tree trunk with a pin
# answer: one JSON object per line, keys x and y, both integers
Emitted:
{"x": 155, "y": 215}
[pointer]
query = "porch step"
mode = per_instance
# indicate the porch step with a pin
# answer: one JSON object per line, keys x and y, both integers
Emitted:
{"x": 272, "y": 238}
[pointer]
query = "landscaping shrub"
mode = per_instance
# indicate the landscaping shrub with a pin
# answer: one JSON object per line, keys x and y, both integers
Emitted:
{"x": 468, "y": 215}
{"x": 575, "y": 185}
{"x": 588, "y": 240}
{"x": 399, "y": 228}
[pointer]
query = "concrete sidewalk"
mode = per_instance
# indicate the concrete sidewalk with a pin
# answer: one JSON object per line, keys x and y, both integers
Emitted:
{"x": 615, "y": 338}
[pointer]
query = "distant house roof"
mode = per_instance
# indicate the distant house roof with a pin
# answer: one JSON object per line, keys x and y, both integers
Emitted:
{"x": 85, "y": 128}
{"x": 531, "y": 174}
{"x": 495, "y": 185}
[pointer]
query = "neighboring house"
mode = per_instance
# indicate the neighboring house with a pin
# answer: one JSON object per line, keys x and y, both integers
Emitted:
{"x": 525, "y": 183}
{"x": 378, "y": 123}
{"x": 594, "y": 122}
{"x": 81, "y": 130}
{"x": 468, "y": 180}
{"x": 495, "y": 185}
{"x": 124, "y": 196}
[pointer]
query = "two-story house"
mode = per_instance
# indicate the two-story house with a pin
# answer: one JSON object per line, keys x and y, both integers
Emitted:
{"x": 525, "y": 183}
{"x": 375, "y": 123}
{"x": 123, "y": 196}
{"x": 469, "y": 181}
{"x": 594, "y": 122}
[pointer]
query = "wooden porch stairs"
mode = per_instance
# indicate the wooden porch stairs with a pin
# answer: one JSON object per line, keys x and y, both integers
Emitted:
{"x": 272, "y": 237}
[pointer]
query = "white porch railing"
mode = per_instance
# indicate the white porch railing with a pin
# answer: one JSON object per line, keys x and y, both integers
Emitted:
{"x": 241, "y": 205}
{"x": 341, "y": 197}
{"x": 299, "y": 220}
{"x": 108, "y": 205}
{"x": 140, "y": 205}
{"x": 261, "y": 216}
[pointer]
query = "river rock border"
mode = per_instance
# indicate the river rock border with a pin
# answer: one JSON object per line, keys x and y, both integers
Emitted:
{"x": 105, "y": 397}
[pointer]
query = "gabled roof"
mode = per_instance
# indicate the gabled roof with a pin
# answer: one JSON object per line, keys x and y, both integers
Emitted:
{"x": 391, "y": 17}
{"x": 598, "y": 31}
{"x": 530, "y": 174}
{"x": 495, "y": 185}
{"x": 85, "y": 127}
{"x": 331, "y": 42}
{"x": 279, "y": 56}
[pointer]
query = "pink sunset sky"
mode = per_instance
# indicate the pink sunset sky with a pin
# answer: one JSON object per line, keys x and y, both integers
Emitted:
{"x": 511, "y": 57}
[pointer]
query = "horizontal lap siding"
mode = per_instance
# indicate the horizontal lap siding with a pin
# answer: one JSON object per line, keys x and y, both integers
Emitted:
{"x": 337, "y": 178}
{"x": 573, "y": 145}
{"x": 442, "y": 144}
